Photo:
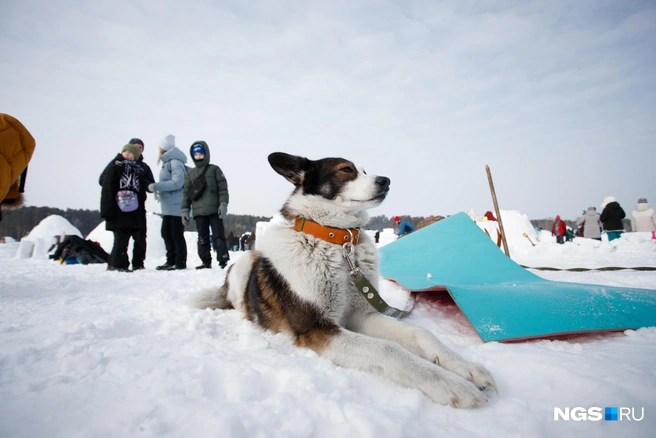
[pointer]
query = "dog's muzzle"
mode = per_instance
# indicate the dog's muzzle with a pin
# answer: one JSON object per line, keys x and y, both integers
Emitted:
{"x": 383, "y": 182}
{"x": 382, "y": 186}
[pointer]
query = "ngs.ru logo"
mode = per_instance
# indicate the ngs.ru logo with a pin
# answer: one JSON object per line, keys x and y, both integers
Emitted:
{"x": 611, "y": 413}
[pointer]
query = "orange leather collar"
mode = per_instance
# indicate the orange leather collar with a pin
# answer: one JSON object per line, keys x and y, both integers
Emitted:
{"x": 333, "y": 235}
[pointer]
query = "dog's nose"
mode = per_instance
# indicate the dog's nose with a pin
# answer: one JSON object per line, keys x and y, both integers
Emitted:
{"x": 383, "y": 181}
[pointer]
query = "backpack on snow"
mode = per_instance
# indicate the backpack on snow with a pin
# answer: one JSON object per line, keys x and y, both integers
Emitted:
{"x": 74, "y": 249}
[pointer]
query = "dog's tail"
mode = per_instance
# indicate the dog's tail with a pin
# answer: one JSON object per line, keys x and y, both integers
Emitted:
{"x": 214, "y": 298}
{"x": 230, "y": 295}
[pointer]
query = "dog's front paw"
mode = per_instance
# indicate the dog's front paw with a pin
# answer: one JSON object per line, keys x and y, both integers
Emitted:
{"x": 475, "y": 373}
{"x": 481, "y": 377}
{"x": 455, "y": 391}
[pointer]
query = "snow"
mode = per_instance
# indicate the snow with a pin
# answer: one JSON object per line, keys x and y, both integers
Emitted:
{"x": 52, "y": 226}
{"x": 86, "y": 352}
{"x": 44, "y": 236}
{"x": 154, "y": 242}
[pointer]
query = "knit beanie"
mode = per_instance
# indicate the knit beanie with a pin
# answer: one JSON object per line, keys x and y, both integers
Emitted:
{"x": 557, "y": 217}
{"x": 198, "y": 148}
{"x": 642, "y": 201}
{"x": 132, "y": 148}
{"x": 137, "y": 141}
{"x": 167, "y": 143}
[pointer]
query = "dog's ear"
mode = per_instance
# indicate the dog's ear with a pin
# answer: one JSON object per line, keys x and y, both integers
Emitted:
{"x": 290, "y": 166}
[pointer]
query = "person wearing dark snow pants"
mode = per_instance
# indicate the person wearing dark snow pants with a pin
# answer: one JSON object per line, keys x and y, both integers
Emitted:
{"x": 122, "y": 203}
{"x": 169, "y": 193}
{"x": 139, "y": 234}
{"x": 559, "y": 230}
{"x": 208, "y": 204}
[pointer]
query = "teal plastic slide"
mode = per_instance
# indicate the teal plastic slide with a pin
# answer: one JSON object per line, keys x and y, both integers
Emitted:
{"x": 502, "y": 300}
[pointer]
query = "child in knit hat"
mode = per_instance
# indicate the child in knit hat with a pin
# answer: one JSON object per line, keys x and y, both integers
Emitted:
{"x": 131, "y": 152}
{"x": 122, "y": 203}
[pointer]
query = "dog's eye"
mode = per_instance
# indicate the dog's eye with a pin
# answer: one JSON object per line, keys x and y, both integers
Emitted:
{"x": 347, "y": 169}
{"x": 364, "y": 171}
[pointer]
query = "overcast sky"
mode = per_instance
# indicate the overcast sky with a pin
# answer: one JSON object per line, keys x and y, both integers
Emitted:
{"x": 557, "y": 97}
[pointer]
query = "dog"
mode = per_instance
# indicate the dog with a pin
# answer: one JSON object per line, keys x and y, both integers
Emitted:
{"x": 299, "y": 281}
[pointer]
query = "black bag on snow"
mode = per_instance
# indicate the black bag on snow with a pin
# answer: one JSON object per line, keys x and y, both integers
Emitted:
{"x": 83, "y": 251}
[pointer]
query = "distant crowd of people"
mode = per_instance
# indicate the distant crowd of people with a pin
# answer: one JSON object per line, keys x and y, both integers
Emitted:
{"x": 199, "y": 192}
{"x": 184, "y": 192}
{"x": 242, "y": 242}
{"x": 592, "y": 224}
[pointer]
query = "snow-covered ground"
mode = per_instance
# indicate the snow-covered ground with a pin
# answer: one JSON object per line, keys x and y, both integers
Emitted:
{"x": 86, "y": 352}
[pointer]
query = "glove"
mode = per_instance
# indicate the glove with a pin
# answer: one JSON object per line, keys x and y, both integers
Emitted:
{"x": 151, "y": 187}
{"x": 223, "y": 210}
{"x": 185, "y": 217}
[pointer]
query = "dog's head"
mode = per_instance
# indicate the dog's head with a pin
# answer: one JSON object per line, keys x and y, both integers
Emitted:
{"x": 335, "y": 183}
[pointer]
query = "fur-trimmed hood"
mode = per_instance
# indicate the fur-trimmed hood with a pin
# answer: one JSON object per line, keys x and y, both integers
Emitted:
{"x": 206, "y": 160}
{"x": 16, "y": 149}
{"x": 14, "y": 202}
{"x": 642, "y": 206}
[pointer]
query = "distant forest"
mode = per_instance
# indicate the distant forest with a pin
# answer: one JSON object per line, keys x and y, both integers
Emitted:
{"x": 17, "y": 223}
{"x": 546, "y": 224}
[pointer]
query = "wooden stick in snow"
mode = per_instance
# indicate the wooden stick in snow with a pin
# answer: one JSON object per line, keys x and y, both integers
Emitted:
{"x": 496, "y": 208}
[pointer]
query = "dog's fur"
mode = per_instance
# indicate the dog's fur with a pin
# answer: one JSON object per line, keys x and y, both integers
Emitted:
{"x": 299, "y": 284}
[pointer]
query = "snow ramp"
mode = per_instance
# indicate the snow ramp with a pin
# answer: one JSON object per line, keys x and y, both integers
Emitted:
{"x": 502, "y": 300}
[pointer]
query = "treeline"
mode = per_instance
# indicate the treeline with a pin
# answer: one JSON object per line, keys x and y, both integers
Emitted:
{"x": 381, "y": 222}
{"x": 546, "y": 224}
{"x": 237, "y": 223}
{"x": 17, "y": 223}
{"x": 241, "y": 223}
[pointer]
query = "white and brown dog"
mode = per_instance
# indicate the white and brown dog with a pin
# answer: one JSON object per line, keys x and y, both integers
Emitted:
{"x": 298, "y": 281}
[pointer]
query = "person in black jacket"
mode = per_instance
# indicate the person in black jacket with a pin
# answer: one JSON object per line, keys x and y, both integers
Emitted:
{"x": 139, "y": 235}
{"x": 122, "y": 203}
{"x": 611, "y": 218}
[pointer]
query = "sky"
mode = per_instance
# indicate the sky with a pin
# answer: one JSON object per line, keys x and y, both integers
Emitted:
{"x": 557, "y": 97}
{"x": 87, "y": 352}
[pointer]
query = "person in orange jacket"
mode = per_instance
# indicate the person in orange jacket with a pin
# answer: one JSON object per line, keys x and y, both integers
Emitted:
{"x": 16, "y": 149}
